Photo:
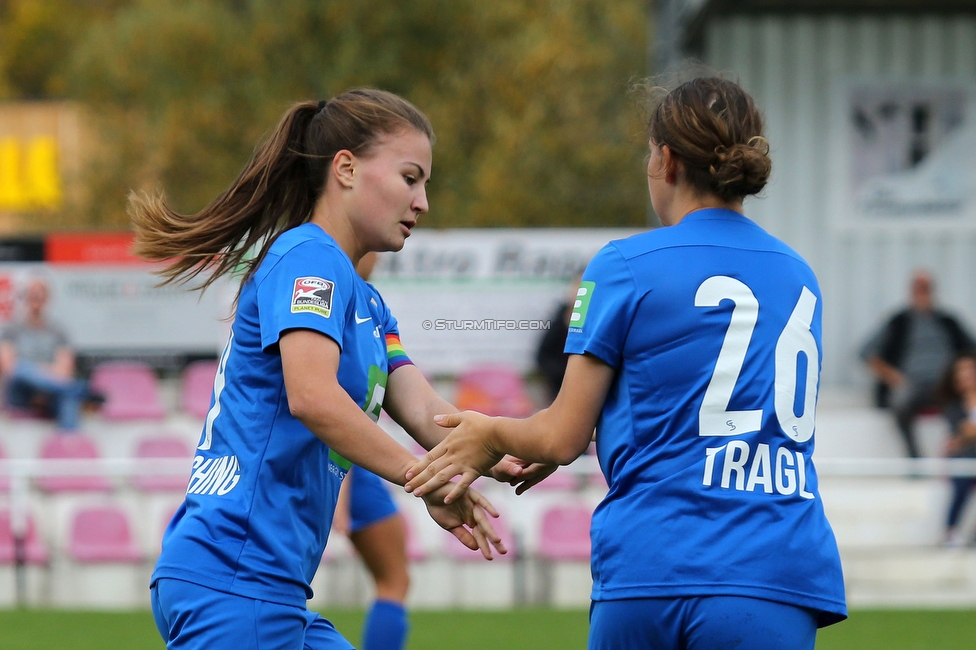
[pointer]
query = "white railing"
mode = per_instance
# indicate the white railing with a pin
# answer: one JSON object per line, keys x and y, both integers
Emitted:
{"x": 22, "y": 472}
{"x": 896, "y": 467}
{"x": 863, "y": 467}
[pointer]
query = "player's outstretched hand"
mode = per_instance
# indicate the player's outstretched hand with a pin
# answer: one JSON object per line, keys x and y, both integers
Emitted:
{"x": 509, "y": 469}
{"x": 466, "y": 452}
{"x": 468, "y": 518}
{"x": 521, "y": 474}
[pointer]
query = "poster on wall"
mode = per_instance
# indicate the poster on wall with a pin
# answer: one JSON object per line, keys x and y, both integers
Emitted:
{"x": 912, "y": 153}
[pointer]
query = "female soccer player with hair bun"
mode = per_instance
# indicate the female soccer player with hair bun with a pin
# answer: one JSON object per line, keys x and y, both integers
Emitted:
{"x": 695, "y": 352}
{"x": 313, "y": 356}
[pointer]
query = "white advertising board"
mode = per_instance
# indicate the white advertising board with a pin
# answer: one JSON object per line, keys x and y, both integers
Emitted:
{"x": 462, "y": 297}
{"x": 118, "y": 310}
{"x": 467, "y": 297}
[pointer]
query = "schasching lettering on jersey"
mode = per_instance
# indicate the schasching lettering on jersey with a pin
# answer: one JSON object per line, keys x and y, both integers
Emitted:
{"x": 706, "y": 436}
{"x": 214, "y": 476}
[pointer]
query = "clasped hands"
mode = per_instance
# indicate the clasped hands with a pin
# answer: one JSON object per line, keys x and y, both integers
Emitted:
{"x": 469, "y": 452}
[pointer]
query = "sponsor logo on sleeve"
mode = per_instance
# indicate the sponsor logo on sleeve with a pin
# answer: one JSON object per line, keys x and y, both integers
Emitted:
{"x": 375, "y": 392}
{"x": 312, "y": 295}
{"x": 581, "y": 305}
{"x": 338, "y": 465}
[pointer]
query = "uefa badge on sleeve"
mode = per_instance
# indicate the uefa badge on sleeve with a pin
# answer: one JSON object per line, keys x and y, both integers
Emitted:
{"x": 312, "y": 295}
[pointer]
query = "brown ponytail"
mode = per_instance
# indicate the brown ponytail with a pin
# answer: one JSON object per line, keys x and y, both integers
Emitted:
{"x": 714, "y": 128}
{"x": 276, "y": 191}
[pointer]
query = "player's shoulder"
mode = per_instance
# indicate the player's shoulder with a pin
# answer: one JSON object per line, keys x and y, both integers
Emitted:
{"x": 372, "y": 291}
{"x": 306, "y": 248}
{"x": 712, "y": 227}
{"x": 306, "y": 237}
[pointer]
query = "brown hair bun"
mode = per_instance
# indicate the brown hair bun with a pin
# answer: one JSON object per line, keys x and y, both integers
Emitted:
{"x": 742, "y": 169}
{"x": 713, "y": 127}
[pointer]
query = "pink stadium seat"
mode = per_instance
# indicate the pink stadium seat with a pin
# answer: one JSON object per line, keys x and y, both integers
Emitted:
{"x": 163, "y": 446}
{"x": 71, "y": 446}
{"x": 196, "y": 388}
{"x": 131, "y": 391}
{"x": 565, "y": 533}
{"x": 102, "y": 534}
{"x": 454, "y": 549}
{"x": 35, "y": 551}
{"x": 493, "y": 390}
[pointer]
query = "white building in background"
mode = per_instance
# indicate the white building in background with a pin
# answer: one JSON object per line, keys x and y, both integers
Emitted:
{"x": 871, "y": 114}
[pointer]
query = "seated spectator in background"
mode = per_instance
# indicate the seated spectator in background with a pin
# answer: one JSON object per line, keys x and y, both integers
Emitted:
{"x": 958, "y": 393}
{"x": 550, "y": 358}
{"x": 37, "y": 366}
{"x": 910, "y": 354}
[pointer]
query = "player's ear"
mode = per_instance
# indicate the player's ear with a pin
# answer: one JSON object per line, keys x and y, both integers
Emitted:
{"x": 670, "y": 164}
{"x": 344, "y": 168}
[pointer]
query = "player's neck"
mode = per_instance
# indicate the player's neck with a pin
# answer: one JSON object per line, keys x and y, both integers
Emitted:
{"x": 334, "y": 221}
{"x": 686, "y": 201}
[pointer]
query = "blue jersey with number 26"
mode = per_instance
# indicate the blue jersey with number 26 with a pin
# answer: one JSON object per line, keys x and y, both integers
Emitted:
{"x": 706, "y": 435}
{"x": 263, "y": 490}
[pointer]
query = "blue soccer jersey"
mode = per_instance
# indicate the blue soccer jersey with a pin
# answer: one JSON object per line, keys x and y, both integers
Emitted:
{"x": 706, "y": 436}
{"x": 263, "y": 488}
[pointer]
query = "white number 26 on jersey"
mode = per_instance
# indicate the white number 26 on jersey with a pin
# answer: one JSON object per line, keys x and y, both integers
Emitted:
{"x": 715, "y": 418}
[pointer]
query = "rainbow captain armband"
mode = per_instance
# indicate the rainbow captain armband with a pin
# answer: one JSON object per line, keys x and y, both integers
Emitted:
{"x": 395, "y": 354}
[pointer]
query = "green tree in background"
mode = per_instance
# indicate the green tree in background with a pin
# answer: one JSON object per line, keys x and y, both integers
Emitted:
{"x": 528, "y": 97}
{"x": 36, "y": 39}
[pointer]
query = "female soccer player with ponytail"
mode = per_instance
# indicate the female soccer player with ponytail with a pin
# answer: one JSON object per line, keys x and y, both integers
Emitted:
{"x": 695, "y": 351}
{"x": 304, "y": 375}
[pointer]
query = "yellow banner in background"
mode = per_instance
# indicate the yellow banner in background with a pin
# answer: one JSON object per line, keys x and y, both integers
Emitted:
{"x": 29, "y": 174}
{"x": 41, "y": 150}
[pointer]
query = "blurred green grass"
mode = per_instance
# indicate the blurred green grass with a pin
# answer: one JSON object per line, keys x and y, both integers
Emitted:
{"x": 525, "y": 628}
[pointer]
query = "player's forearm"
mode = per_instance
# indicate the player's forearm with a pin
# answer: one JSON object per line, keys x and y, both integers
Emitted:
{"x": 423, "y": 429}
{"x": 336, "y": 420}
{"x": 545, "y": 437}
{"x": 412, "y": 403}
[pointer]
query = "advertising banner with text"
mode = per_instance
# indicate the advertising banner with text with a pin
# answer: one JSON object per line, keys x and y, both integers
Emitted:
{"x": 461, "y": 297}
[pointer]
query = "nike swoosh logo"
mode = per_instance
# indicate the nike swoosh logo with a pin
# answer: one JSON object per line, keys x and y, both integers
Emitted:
{"x": 360, "y": 321}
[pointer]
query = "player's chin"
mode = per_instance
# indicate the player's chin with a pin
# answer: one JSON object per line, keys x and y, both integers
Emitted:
{"x": 396, "y": 242}
{"x": 391, "y": 244}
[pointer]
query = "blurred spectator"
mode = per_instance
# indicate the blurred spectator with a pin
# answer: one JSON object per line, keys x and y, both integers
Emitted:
{"x": 958, "y": 394}
{"x": 910, "y": 354}
{"x": 37, "y": 365}
{"x": 550, "y": 357}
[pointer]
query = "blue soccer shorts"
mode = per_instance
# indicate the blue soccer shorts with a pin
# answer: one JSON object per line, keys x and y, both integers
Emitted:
{"x": 193, "y": 617}
{"x": 369, "y": 500}
{"x": 700, "y": 623}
